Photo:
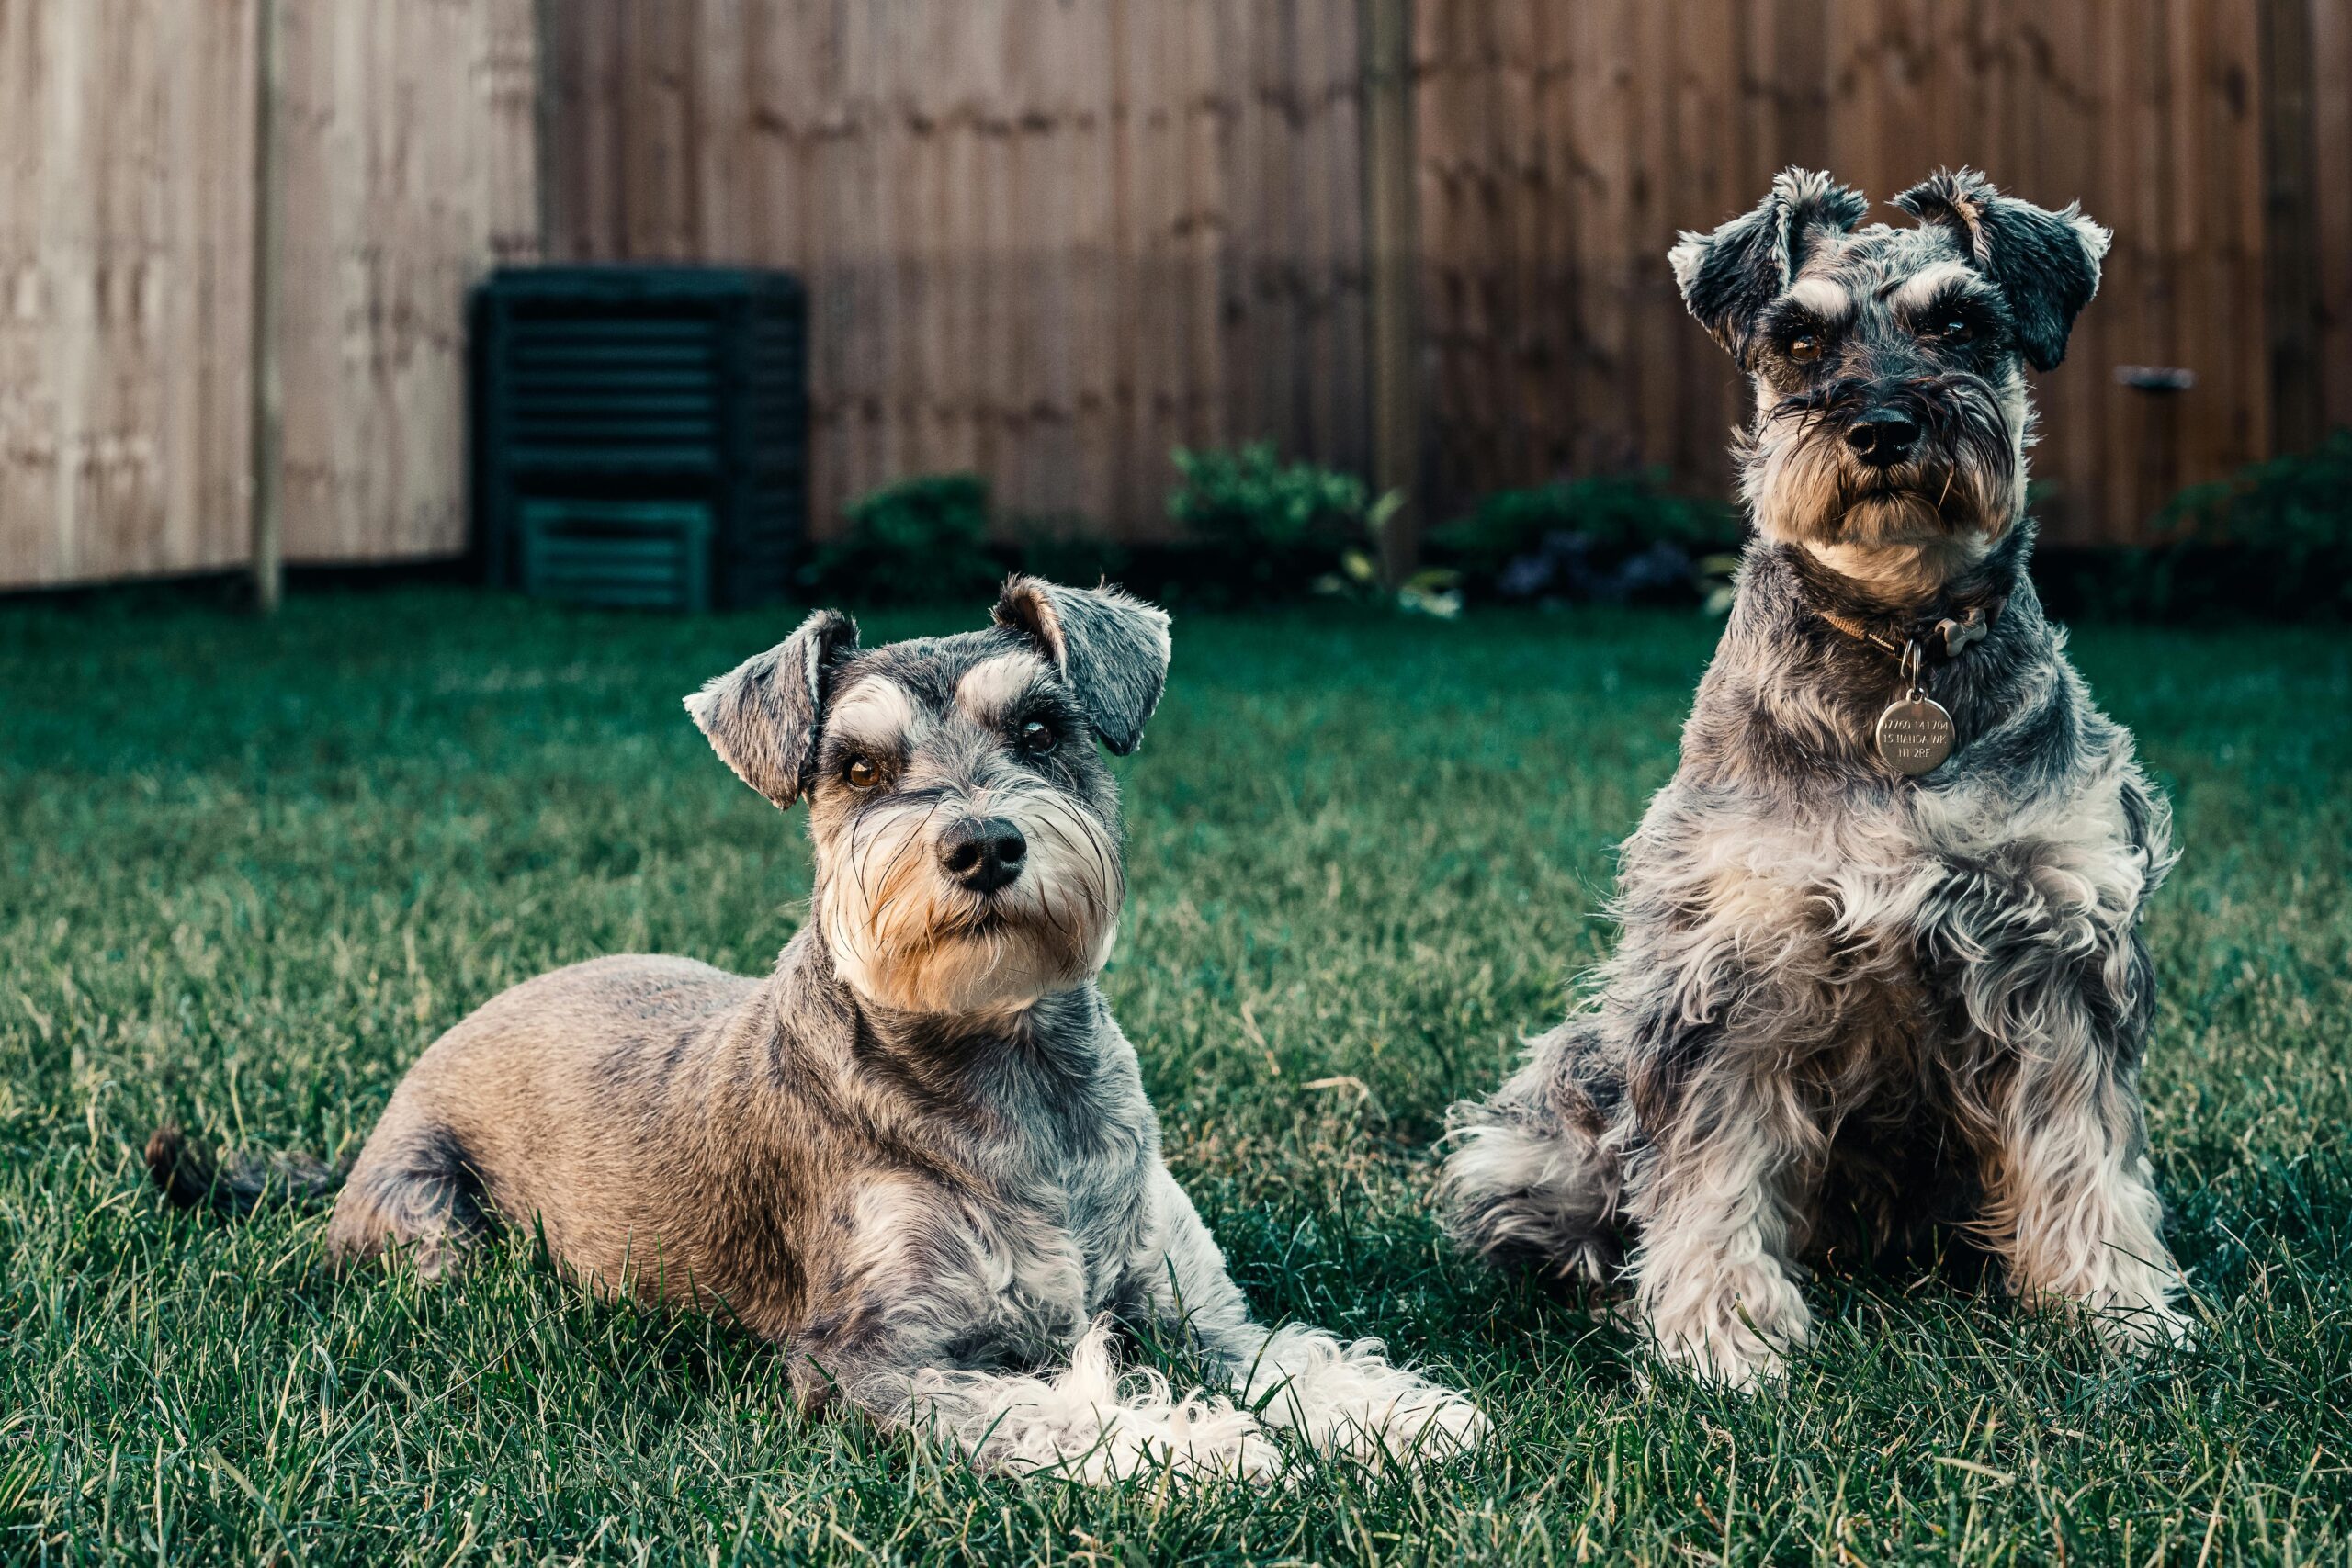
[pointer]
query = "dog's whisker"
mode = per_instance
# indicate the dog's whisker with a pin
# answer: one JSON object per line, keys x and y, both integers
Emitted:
{"x": 888, "y": 887}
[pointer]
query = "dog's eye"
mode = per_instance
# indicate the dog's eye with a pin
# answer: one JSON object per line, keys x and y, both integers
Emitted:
{"x": 1037, "y": 737}
{"x": 862, "y": 773}
{"x": 1805, "y": 347}
{"x": 1952, "y": 329}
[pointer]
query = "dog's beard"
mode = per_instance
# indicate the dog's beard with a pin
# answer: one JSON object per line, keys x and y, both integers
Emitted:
{"x": 905, "y": 936}
{"x": 1904, "y": 528}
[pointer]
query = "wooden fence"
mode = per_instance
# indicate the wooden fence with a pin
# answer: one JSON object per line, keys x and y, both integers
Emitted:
{"x": 1045, "y": 241}
{"x": 1563, "y": 144}
{"x": 1049, "y": 240}
{"x": 124, "y": 263}
{"x": 127, "y": 273}
{"x": 411, "y": 169}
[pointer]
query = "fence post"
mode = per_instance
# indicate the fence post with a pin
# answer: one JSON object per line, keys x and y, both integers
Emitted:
{"x": 1392, "y": 269}
{"x": 546, "y": 106}
{"x": 268, "y": 451}
{"x": 2289, "y": 225}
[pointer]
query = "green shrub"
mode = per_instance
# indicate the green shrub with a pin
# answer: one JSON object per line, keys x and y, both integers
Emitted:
{"x": 919, "y": 541}
{"x": 1615, "y": 536}
{"x": 2275, "y": 539}
{"x": 1070, "y": 549}
{"x": 1277, "y": 528}
{"x": 1432, "y": 590}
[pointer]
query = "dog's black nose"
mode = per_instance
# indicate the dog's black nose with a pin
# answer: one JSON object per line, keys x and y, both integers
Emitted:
{"x": 1883, "y": 438}
{"x": 983, "y": 853}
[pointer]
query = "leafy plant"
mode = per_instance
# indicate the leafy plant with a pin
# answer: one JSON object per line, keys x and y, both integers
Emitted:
{"x": 1613, "y": 538}
{"x": 1070, "y": 549}
{"x": 1434, "y": 590}
{"x": 2274, "y": 539}
{"x": 1277, "y": 528}
{"x": 1280, "y": 529}
{"x": 919, "y": 541}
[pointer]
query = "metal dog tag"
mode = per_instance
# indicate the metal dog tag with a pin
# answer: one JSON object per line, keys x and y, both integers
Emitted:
{"x": 1915, "y": 734}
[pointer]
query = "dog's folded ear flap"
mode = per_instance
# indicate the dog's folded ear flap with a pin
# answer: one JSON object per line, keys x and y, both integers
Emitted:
{"x": 761, "y": 717}
{"x": 1727, "y": 277}
{"x": 1110, "y": 648}
{"x": 2045, "y": 264}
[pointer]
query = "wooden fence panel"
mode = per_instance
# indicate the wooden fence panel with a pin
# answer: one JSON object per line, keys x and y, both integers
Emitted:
{"x": 126, "y": 228}
{"x": 2331, "y": 187}
{"x": 1562, "y": 147}
{"x": 1047, "y": 240}
{"x": 409, "y": 135}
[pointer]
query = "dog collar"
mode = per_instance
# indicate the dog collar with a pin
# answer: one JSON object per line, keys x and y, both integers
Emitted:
{"x": 1915, "y": 732}
{"x": 1957, "y": 632}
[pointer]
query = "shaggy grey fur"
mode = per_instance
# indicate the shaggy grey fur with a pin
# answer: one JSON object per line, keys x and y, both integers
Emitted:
{"x": 1846, "y": 1004}
{"x": 919, "y": 1153}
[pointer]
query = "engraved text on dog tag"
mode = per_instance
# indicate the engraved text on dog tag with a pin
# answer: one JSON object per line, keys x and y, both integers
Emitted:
{"x": 1915, "y": 734}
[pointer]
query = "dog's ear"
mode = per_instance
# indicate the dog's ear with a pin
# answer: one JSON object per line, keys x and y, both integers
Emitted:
{"x": 761, "y": 717}
{"x": 1727, "y": 277}
{"x": 1111, "y": 649}
{"x": 2045, "y": 264}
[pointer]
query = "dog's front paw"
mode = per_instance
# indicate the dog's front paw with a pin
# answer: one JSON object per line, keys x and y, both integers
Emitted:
{"x": 1351, "y": 1399}
{"x": 1737, "y": 1338}
{"x": 1723, "y": 1362}
{"x": 1411, "y": 1421}
{"x": 2139, "y": 1327}
{"x": 2129, "y": 1302}
{"x": 1090, "y": 1422}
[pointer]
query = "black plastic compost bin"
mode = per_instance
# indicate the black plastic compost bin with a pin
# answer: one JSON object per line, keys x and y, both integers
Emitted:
{"x": 641, "y": 433}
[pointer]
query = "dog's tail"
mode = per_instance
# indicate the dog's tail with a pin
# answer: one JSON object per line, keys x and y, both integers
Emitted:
{"x": 192, "y": 1177}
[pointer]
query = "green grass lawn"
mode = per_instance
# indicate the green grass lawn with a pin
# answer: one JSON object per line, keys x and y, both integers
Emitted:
{"x": 249, "y": 871}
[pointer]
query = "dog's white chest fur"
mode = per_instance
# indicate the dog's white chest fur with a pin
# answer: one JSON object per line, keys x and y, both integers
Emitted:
{"x": 1024, "y": 1261}
{"x": 1878, "y": 894}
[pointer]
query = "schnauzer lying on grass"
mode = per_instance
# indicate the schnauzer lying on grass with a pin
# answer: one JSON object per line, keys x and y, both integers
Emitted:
{"x": 1880, "y": 959}
{"x": 919, "y": 1153}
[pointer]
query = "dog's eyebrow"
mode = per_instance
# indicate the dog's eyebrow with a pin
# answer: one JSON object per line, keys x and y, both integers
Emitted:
{"x": 989, "y": 688}
{"x": 1823, "y": 297}
{"x": 1924, "y": 287}
{"x": 877, "y": 712}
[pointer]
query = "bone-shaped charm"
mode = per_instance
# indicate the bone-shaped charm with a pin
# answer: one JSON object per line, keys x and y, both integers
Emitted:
{"x": 1959, "y": 634}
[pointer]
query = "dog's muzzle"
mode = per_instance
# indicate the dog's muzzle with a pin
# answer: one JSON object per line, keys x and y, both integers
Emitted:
{"x": 1883, "y": 438}
{"x": 981, "y": 854}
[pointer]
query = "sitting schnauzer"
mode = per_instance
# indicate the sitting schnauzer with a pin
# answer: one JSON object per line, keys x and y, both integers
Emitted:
{"x": 919, "y": 1153}
{"x": 1881, "y": 958}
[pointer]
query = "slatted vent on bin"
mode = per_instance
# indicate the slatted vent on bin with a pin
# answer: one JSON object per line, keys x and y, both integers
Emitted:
{"x": 642, "y": 433}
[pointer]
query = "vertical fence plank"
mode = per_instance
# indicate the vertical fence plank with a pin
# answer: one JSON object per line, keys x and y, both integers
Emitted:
{"x": 409, "y": 161}
{"x": 269, "y": 381}
{"x": 125, "y": 236}
{"x": 2330, "y": 36}
{"x": 1391, "y": 240}
{"x": 2290, "y": 221}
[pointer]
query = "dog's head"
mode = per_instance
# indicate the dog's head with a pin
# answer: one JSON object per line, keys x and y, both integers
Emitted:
{"x": 966, "y": 832}
{"x": 1891, "y": 414}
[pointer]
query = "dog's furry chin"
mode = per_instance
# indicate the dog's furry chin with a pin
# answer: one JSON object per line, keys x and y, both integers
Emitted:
{"x": 990, "y": 971}
{"x": 1901, "y": 545}
{"x": 1901, "y": 565}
